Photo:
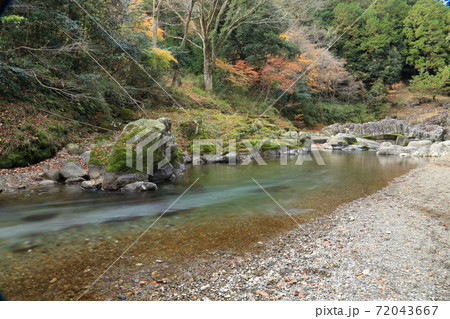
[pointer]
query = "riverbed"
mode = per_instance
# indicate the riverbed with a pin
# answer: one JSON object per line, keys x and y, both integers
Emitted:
{"x": 55, "y": 242}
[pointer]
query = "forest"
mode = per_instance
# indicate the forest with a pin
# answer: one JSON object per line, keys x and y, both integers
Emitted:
{"x": 225, "y": 150}
{"x": 312, "y": 62}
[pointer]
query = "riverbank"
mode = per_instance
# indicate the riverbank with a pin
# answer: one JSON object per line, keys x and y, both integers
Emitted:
{"x": 392, "y": 245}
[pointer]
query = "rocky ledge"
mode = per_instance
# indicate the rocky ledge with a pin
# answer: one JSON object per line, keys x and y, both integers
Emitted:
{"x": 390, "y": 127}
{"x": 387, "y": 137}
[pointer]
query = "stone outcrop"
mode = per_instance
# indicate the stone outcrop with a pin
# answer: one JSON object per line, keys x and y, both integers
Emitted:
{"x": 389, "y": 126}
{"x": 416, "y": 149}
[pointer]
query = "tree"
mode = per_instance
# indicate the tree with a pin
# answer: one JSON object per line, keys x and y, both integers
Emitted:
{"x": 331, "y": 79}
{"x": 434, "y": 84}
{"x": 372, "y": 47}
{"x": 240, "y": 74}
{"x": 255, "y": 42}
{"x": 213, "y": 21}
{"x": 426, "y": 30}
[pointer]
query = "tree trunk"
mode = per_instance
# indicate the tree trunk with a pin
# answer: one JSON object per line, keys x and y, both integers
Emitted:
{"x": 208, "y": 75}
{"x": 208, "y": 66}
{"x": 155, "y": 25}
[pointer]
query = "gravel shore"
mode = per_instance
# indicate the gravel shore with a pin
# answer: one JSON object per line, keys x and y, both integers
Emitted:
{"x": 392, "y": 245}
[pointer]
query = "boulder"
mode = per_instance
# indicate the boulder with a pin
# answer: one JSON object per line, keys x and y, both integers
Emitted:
{"x": 52, "y": 174}
{"x": 75, "y": 149}
{"x": 320, "y": 139}
{"x": 403, "y": 141}
{"x": 95, "y": 171}
{"x": 130, "y": 153}
{"x": 385, "y": 144}
{"x": 74, "y": 180}
{"x": 336, "y": 143}
{"x": 349, "y": 138}
{"x": 109, "y": 181}
{"x": 115, "y": 181}
{"x": 368, "y": 143}
{"x": 439, "y": 149}
{"x": 389, "y": 149}
{"x": 436, "y": 150}
{"x": 86, "y": 156}
{"x": 91, "y": 185}
{"x": 139, "y": 187}
{"x": 422, "y": 152}
{"x": 72, "y": 170}
{"x": 130, "y": 178}
{"x": 215, "y": 159}
{"x": 420, "y": 144}
{"x": 167, "y": 173}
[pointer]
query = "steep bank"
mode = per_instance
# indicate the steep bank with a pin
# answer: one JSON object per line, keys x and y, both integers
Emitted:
{"x": 392, "y": 245}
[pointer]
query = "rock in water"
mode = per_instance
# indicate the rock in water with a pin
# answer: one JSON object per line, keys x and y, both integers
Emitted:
{"x": 72, "y": 170}
{"x": 152, "y": 154}
{"x": 91, "y": 185}
{"x": 139, "y": 187}
{"x": 74, "y": 180}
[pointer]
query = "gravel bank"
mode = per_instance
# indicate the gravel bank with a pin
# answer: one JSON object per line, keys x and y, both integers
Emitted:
{"x": 23, "y": 178}
{"x": 392, "y": 245}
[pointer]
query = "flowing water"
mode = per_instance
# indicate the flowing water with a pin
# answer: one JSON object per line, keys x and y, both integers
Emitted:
{"x": 54, "y": 242}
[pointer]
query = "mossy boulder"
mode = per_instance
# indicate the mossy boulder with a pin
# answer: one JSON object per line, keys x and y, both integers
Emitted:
{"x": 138, "y": 140}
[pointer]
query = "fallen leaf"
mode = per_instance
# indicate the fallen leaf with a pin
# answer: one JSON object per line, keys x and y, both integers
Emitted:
{"x": 262, "y": 293}
{"x": 297, "y": 293}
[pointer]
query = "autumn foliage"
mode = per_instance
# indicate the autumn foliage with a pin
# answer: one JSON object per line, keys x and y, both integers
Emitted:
{"x": 144, "y": 22}
{"x": 280, "y": 73}
{"x": 240, "y": 74}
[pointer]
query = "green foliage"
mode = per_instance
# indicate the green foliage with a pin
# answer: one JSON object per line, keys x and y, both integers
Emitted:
{"x": 433, "y": 84}
{"x": 372, "y": 47}
{"x": 325, "y": 113}
{"x": 47, "y": 55}
{"x": 255, "y": 42}
{"x": 11, "y": 18}
{"x": 427, "y": 28}
{"x": 33, "y": 142}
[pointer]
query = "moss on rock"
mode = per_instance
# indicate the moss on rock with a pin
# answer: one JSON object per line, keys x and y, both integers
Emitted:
{"x": 136, "y": 133}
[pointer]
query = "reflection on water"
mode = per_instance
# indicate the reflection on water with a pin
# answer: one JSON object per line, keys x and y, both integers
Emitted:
{"x": 224, "y": 210}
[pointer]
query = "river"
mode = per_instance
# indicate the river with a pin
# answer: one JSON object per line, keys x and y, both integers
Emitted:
{"x": 56, "y": 241}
